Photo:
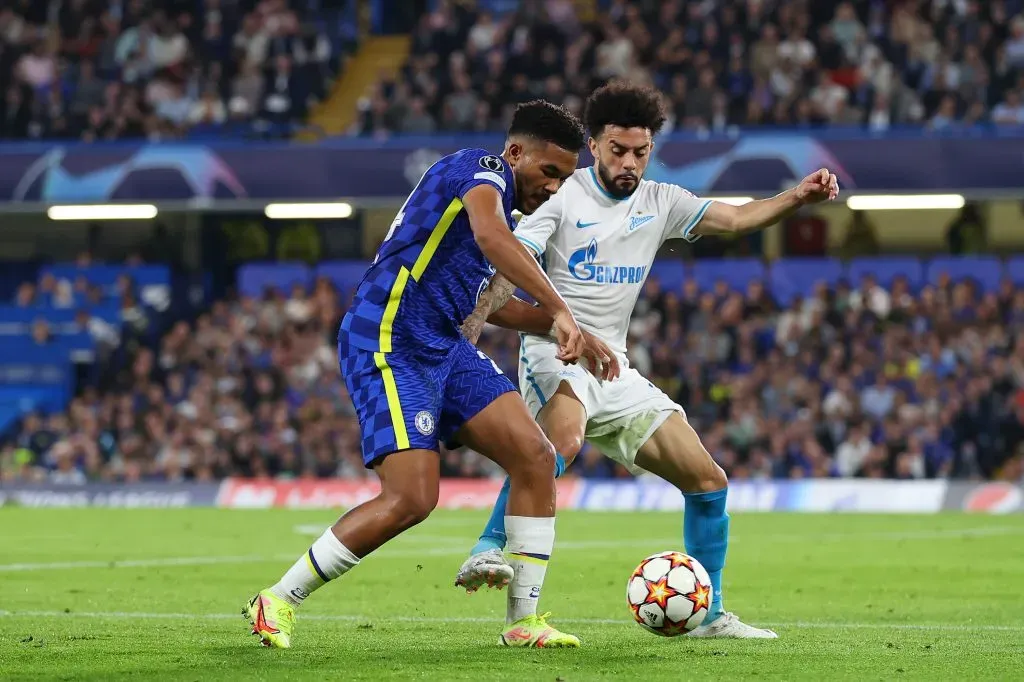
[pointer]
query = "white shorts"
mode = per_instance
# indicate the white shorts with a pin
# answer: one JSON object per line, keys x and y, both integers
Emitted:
{"x": 621, "y": 414}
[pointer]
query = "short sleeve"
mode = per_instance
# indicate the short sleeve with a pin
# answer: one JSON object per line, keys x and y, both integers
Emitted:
{"x": 474, "y": 167}
{"x": 685, "y": 211}
{"x": 534, "y": 230}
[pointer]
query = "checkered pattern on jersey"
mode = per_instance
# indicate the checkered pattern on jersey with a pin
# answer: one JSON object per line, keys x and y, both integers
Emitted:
{"x": 450, "y": 387}
{"x": 432, "y": 309}
{"x": 420, "y": 387}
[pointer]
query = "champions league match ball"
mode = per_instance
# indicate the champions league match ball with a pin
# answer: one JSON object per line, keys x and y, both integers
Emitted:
{"x": 669, "y": 593}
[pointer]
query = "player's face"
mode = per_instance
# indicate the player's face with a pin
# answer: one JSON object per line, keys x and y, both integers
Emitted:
{"x": 621, "y": 156}
{"x": 540, "y": 169}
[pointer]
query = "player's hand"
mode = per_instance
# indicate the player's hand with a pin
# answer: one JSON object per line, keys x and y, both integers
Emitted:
{"x": 819, "y": 186}
{"x": 569, "y": 337}
{"x": 603, "y": 363}
{"x": 472, "y": 327}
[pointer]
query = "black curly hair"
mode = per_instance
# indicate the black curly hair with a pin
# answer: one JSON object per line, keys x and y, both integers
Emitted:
{"x": 623, "y": 104}
{"x": 549, "y": 123}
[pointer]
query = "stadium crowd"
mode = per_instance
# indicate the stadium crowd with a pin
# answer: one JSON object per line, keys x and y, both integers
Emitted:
{"x": 947, "y": 64}
{"x": 98, "y": 70}
{"x": 855, "y": 381}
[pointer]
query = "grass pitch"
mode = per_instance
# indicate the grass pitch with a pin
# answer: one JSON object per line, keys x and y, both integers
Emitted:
{"x": 155, "y": 594}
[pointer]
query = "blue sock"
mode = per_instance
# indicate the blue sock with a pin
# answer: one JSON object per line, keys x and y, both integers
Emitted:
{"x": 706, "y": 531}
{"x": 493, "y": 536}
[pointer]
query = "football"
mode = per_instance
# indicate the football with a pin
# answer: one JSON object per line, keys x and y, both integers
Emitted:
{"x": 669, "y": 593}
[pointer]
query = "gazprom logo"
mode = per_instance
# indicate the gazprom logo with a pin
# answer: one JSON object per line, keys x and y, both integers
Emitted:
{"x": 583, "y": 268}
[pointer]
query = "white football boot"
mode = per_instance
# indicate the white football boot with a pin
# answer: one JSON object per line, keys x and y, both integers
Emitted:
{"x": 728, "y": 626}
{"x": 486, "y": 568}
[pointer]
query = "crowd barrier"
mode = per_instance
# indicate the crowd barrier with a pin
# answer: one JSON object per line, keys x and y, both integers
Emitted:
{"x": 828, "y": 495}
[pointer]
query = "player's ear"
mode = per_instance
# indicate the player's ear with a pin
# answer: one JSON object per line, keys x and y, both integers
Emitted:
{"x": 592, "y": 145}
{"x": 513, "y": 152}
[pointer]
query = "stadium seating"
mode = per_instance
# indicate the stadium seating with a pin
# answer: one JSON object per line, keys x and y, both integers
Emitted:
{"x": 19, "y": 320}
{"x": 987, "y": 271}
{"x": 737, "y": 273}
{"x": 272, "y": 61}
{"x": 823, "y": 87}
{"x": 886, "y": 269}
{"x": 785, "y": 278}
{"x": 1015, "y": 270}
{"x": 792, "y": 277}
{"x": 345, "y": 275}
{"x": 41, "y": 377}
{"x": 670, "y": 273}
{"x": 254, "y": 279}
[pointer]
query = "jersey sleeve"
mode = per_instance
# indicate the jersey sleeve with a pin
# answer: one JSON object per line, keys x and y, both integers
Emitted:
{"x": 684, "y": 212}
{"x": 534, "y": 230}
{"x": 474, "y": 167}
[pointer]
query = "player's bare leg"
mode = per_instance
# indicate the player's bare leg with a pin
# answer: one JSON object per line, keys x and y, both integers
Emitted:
{"x": 563, "y": 420}
{"x": 675, "y": 453}
{"x": 410, "y": 481}
{"x": 505, "y": 432}
{"x": 409, "y": 488}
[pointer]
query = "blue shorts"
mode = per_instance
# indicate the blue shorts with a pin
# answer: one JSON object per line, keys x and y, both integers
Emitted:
{"x": 416, "y": 398}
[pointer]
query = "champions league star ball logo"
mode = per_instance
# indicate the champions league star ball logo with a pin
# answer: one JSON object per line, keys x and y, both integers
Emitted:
{"x": 146, "y": 171}
{"x": 417, "y": 163}
{"x": 799, "y": 155}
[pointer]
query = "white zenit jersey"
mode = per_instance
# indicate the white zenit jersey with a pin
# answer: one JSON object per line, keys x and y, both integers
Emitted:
{"x": 597, "y": 249}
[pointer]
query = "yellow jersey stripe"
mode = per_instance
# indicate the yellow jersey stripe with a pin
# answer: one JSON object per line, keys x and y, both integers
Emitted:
{"x": 387, "y": 322}
{"x": 430, "y": 248}
{"x": 394, "y": 406}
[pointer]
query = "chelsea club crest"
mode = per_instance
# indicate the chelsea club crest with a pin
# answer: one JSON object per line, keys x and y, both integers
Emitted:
{"x": 424, "y": 423}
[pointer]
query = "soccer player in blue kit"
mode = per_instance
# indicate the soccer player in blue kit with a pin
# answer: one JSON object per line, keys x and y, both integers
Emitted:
{"x": 415, "y": 381}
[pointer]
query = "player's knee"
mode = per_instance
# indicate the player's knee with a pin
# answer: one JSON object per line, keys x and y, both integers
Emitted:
{"x": 706, "y": 477}
{"x": 537, "y": 457}
{"x": 713, "y": 479}
{"x": 412, "y": 506}
{"x": 568, "y": 445}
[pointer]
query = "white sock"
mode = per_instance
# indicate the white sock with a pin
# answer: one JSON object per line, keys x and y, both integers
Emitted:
{"x": 326, "y": 560}
{"x": 530, "y": 541}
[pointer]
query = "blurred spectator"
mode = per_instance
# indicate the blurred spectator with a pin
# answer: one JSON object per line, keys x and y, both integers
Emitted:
{"x": 1010, "y": 111}
{"x": 850, "y": 383}
{"x": 787, "y": 62}
{"x": 157, "y": 70}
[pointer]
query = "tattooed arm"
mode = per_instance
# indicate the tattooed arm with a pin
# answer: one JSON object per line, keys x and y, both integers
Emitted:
{"x": 497, "y": 294}
{"x": 498, "y": 306}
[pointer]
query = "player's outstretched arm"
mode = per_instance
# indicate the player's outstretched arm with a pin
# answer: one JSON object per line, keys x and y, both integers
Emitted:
{"x": 722, "y": 218}
{"x": 510, "y": 258}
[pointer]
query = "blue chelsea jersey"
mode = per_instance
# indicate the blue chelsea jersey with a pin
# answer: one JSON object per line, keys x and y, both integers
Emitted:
{"x": 429, "y": 272}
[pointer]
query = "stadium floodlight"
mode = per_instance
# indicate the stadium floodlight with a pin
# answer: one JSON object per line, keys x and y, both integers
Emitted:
{"x": 337, "y": 209}
{"x": 734, "y": 201}
{"x": 103, "y": 212}
{"x": 903, "y": 202}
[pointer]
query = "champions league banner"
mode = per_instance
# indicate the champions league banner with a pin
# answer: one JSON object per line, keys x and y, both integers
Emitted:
{"x": 595, "y": 495}
{"x": 131, "y": 496}
{"x": 367, "y": 169}
{"x": 641, "y": 494}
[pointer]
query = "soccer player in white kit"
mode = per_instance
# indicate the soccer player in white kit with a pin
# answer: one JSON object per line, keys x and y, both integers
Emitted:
{"x": 596, "y": 239}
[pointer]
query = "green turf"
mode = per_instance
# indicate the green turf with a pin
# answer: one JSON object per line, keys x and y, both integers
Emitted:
{"x": 852, "y": 597}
